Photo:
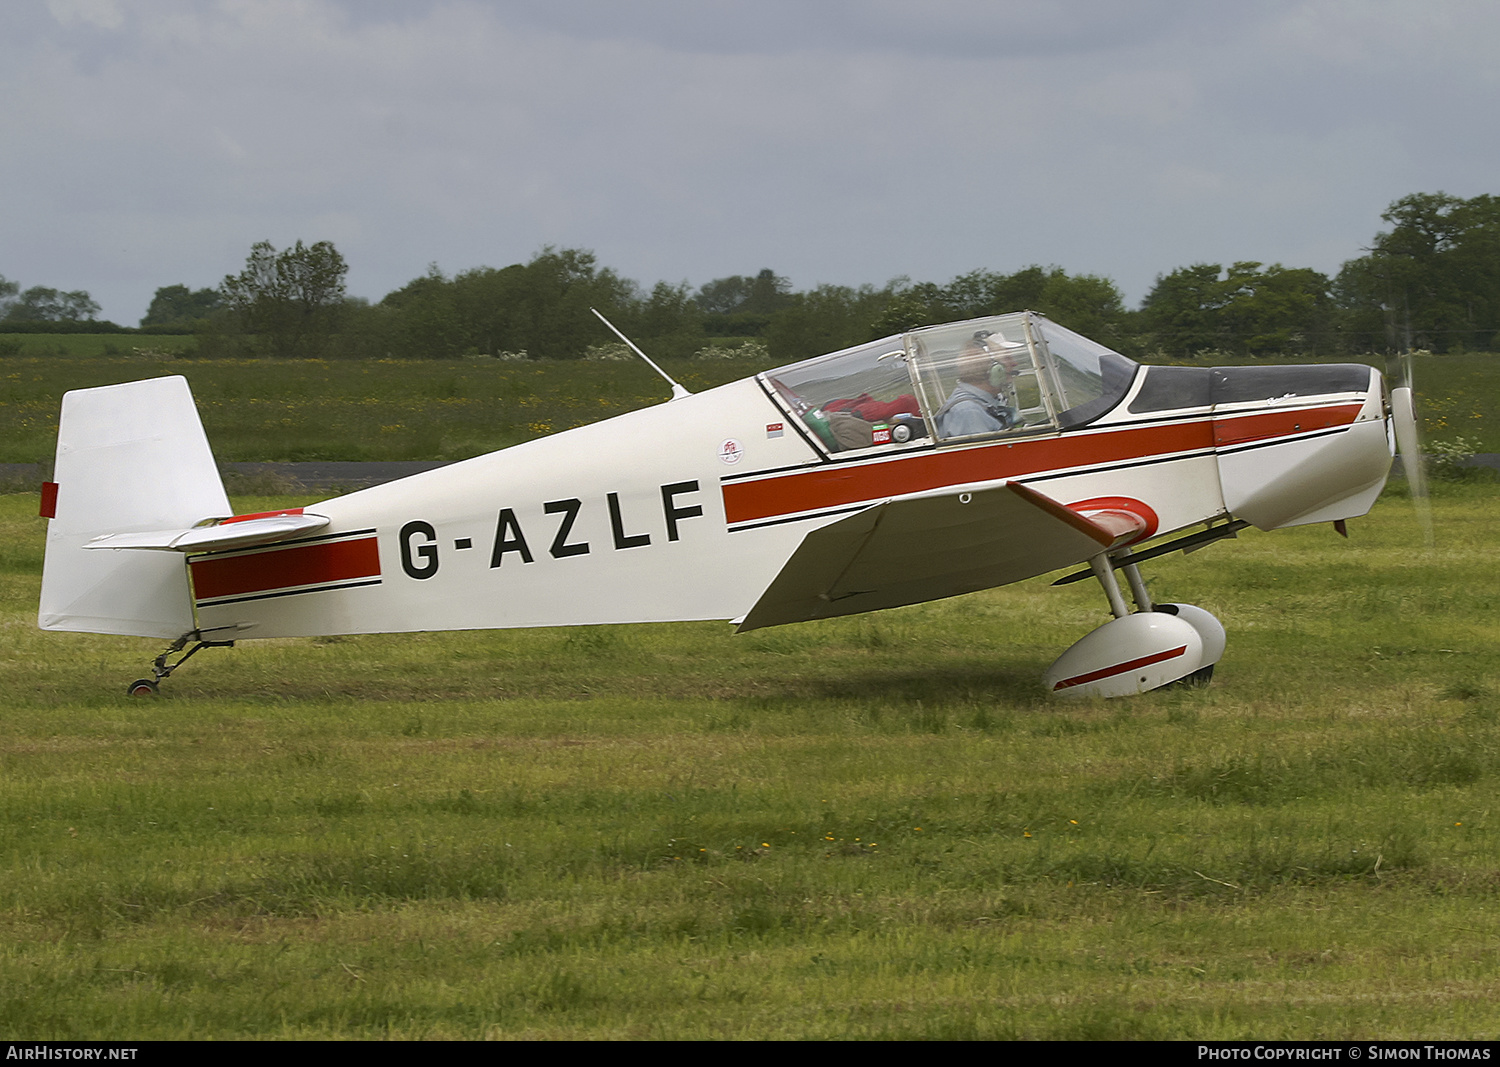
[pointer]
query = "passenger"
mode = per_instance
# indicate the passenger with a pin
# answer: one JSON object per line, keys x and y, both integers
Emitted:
{"x": 975, "y": 406}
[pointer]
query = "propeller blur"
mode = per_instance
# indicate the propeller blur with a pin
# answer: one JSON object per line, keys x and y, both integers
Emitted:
{"x": 1409, "y": 443}
{"x": 920, "y": 466}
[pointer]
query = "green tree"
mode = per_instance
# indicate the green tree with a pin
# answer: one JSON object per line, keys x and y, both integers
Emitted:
{"x": 1278, "y": 309}
{"x": 742, "y": 305}
{"x": 1246, "y": 310}
{"x": 724, "y": 296}
{"x": 540, "y": 308}
{"x": 769, "y": 293}
{"x": 1086, "y": 303}
{"x": 668, "y": 323}
{"x": 909, "y": 306}
{"x": 763, "y": 294}
{"x": 1432, "y": 280}
{"x": 424, "y": 321}
{"x": 1180, "y": 312}
{"x": 41, "y": 304}
{"x": 556, "y": 290}
{"x": 826, "y": 318}
{"x": 177, "y": 305}
{"x": 293, "y": 302}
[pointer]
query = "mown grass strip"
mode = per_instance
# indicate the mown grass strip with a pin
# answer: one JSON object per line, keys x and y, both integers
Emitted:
{"x": 872, "y": 827}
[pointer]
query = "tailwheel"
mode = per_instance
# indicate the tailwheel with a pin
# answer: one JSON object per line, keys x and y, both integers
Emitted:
{"x": 161, "y": 669}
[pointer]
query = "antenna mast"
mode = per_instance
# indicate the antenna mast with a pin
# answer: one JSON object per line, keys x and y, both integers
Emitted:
{"x": 678, "y": 392}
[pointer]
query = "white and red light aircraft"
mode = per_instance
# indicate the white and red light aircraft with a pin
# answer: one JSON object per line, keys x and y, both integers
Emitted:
{"x": 925, "y": 465}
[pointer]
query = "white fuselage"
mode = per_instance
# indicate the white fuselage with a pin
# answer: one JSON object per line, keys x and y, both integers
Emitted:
{"x": 688, "y": 510}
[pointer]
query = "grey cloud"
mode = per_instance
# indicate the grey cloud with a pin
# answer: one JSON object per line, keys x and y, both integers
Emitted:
{"x": 148, "y": 144}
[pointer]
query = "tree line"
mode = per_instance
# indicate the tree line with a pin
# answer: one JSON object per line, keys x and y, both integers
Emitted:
{"x": 41, "y": 304}
{"x": 1430, "y": 281}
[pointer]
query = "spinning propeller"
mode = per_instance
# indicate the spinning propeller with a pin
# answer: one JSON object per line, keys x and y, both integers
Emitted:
{"x": 1409, "y": 441}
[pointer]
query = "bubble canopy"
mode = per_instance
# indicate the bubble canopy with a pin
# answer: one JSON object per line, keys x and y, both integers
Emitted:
{"x": 960, "y": 382}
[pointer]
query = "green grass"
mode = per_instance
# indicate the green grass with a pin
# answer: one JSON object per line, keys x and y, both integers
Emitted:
{"x": 135, "y": 347}
{"x": 1460, "y": 397}
{"x": 452, "y": 409}
{"x": 875, "y": 827}
{"x": 291, "y": 410}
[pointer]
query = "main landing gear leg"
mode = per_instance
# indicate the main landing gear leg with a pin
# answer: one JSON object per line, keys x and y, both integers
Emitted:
{"x": 1210, "y": 630}
{"x": 161, "y": 669}
{"x": 1137, "y": 587}
{"x": 1104, "y": 570}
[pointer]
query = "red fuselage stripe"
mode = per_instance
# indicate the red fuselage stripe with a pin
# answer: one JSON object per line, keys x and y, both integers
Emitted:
{"x": 1120, "y": 668}
{"x": 1235, "y": 429}
{"x": 338, "y": 561}
{"x": 832, "y": 486}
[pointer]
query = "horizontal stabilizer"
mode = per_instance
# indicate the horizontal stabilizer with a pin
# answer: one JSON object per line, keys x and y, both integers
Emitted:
{"x": 924, "y": 547}
{"x": 239, "y": 533}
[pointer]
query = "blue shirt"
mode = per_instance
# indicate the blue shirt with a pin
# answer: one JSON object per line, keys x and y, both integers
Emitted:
{"x": 971, "y": 410}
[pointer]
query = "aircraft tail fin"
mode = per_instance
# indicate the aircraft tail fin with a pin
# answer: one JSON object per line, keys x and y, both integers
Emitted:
{"x": 130, "y": 458}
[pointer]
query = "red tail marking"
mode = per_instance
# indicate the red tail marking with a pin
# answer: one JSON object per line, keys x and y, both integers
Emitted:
{"x": 321, "y": 564}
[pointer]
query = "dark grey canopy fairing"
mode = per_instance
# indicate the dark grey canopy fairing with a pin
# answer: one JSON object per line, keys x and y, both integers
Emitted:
{"x": 1171, "y": 388}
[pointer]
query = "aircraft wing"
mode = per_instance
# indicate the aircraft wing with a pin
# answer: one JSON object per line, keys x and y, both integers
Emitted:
{"x": 928, "y": 546}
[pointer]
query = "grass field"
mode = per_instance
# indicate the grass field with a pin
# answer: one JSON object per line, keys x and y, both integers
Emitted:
{"x": 370, "y": 410}
{"x": 453, "y": 409}
{"x": 137, "y": 347}
{"x": 868, "y": 828}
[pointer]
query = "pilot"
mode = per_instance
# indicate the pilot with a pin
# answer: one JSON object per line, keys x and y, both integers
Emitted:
{"x": 975, "y": 406}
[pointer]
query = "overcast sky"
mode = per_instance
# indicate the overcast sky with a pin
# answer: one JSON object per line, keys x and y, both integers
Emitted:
{"x": 151, "y": 142}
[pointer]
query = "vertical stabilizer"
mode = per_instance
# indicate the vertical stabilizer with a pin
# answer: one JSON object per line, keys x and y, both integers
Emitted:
{"x": 130, "y": 458}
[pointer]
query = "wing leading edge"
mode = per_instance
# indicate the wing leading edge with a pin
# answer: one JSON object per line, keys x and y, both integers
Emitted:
{"x": 928, "y": 546}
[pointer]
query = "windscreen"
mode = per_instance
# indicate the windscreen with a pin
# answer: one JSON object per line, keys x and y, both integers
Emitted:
{"x": 1090, "y": 378}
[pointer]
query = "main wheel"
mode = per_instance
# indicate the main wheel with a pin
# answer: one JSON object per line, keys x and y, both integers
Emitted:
{"x": 143, "y": 687}
{"x": 1197, "y": 680}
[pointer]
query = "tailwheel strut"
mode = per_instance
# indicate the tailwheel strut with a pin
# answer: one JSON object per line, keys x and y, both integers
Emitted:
{"x": 161, "y": 669}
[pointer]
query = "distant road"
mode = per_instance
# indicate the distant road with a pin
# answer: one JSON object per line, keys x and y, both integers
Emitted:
{"x": 320, "y": 477}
